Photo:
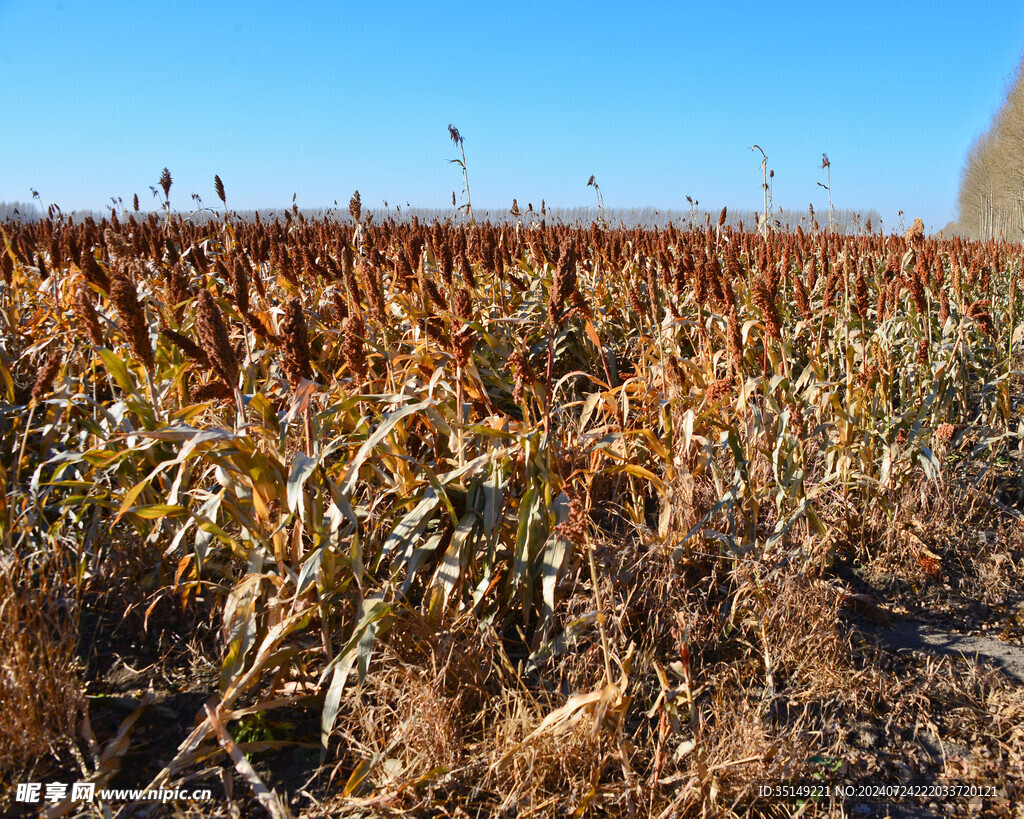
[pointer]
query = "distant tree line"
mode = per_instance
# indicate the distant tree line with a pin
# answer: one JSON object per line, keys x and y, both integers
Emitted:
{"x": 18, "y": 211}
{"x": 846, "y": 221}
{"x": 991, "y": 198}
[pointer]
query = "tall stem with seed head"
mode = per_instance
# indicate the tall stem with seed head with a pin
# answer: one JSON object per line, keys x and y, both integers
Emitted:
{"x": 827, "y": 167}
{"x": 600, "y": 200}
{"x": 165, "y": 184}
{"x": 460, "y": 141}
{"x": 764, "y": 170}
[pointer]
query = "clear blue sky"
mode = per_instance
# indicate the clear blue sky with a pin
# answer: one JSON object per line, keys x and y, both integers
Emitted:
{"x": 658, "y": 100}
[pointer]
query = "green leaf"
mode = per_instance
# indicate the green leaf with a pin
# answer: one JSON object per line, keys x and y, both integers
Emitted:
{"x": 118, "y": 370}
{"x": 930, "y": 464}
{"x": 132, "y": 494}
{"x": 332, "y": 700}
{"x": 441, "y": 493}
{"x": 183, "y": 432}
{"x": 526, "y": 538}
{"x": 409, "y": 528}
{"x": 640, "y": 472}
{"x": 302, "y": 468}
{"x": 363, "y": 769}
{"x": 493, "y": 490}
{"x": 552, "y": 560}
{"x": 240, "y": 624}
{"x": 352, "y": 473}
{"x": 371, "y": 611}
{"x": 158, "y": 510}
{"x": 207, "y": 513}
{"x": 307, "y": 574}
{"x": 449, "y": 573}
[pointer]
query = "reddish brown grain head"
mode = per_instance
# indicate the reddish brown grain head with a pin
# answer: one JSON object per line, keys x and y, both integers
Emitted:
{"x": 861, "y": 290}
{"x": 979, "y": 312}
{"x": 44, "y": 381}
{"x": 213, "y": 336}
{"x": 86, "y": 313}
{"x": 188, "y": 347}
{"x": 523, "y": 375}
{"x": 765, "y": 302}
{"x": 353, "y": 347}
{"x": 94, "y": 274}
{"x": 240, "y": 285}
{"x": 295, "y": 337}
{"x": 214, "y": 391}
{"x": 718, "y": 390}
{"x": 943, "y": 307}
{"x": 563, "y": 284}
{"x": 166, "y": 182}
{"x": 132, "y": 319}
{"x": 373, "y": 286}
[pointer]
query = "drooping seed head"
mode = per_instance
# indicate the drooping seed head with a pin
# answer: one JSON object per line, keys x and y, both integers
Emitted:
{"x": 240, "y": 285}
{"x": 563, "y": 284}
{"x": 295, "y": 338}
{"x": 943, "y": 307}
{"x": 213, "y": 337}
{"x": 371, "y": 279}
{"x": 86, "y": 313}
{"x": 44, "y": 381}
{"x": 188, "y": 347}
{"x": 92, "y": 271}
{"x": 214, "y": 391}
{"x": 522, "y": 375}
{"x": 861, "y": 290}
{"x": 979, "y": 312}
{"x": 915, "y": 281}
{"x": 132, "y": 320}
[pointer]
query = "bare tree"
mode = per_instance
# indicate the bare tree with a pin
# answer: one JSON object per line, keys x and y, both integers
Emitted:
{"x": 991, "y": 197}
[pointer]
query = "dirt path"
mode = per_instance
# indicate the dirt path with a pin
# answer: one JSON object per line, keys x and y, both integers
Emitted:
{"x": 912, "y": 635}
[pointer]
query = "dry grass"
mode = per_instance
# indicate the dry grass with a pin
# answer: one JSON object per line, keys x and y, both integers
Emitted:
{"x": 40, "y": 675}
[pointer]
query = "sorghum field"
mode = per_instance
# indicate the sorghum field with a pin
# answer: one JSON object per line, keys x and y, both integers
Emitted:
{"x": 347, "y": 518}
